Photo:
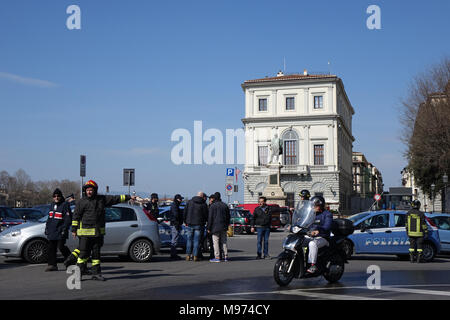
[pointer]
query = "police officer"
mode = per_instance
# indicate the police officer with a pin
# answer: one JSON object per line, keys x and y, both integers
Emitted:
{"x": 88, "y": 224}
{"x": 152, "y": 206}
{"x": 417, "y": 230}
{"x": 57, "y": 229}
{"x": 305, "y": 195}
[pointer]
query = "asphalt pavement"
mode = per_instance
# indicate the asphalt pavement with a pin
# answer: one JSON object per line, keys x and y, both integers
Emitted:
{"x": 242, "y": 278}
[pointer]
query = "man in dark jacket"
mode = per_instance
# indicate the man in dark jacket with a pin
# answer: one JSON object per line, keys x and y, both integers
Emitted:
{"x": 89, "y": 224}
{"x": 417, "y": 230}
{"x": 218, "y": 221}
{"x": 57, "y": 229}
{"x": 262, "y": 219}
{"x": 152, "y": 206}
{"x": 195, "y": 216}
{"x": 176, "y": 221}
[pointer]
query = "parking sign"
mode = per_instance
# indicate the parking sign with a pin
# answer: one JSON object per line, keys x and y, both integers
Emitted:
{"x": 230, "y": 172}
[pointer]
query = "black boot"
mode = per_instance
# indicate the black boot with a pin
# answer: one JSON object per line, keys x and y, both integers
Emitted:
{"x": 411, "y": 258}
{"x": 70, "y": 261}
{"x": 97, "y": 273}
{"x": 419, "y": 258}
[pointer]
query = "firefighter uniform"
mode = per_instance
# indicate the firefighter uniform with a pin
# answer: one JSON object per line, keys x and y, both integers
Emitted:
{"x": 89, "y": 224}
{"x": 417, "y": 230}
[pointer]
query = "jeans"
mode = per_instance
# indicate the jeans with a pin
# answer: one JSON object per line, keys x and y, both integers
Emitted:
{"x": 263, "y": 234}
{"x": 314, "y": 245}
{"x": 193, "y": 240}
{"x": 174, "y": 240}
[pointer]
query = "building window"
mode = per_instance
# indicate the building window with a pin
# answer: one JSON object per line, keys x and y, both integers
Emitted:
{"x": 290, "y": 103}
{"x": 262, "y": 155}
{"x": 262, "y": 104}
{"x": 290, "y": 148}
{"x": 318, "y": 155}
{"x": 318, "y": 102}
{"x": 290, "y": 199}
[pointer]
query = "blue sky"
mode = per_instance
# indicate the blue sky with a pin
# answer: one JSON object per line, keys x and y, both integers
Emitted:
{"x": 137, "y": 70}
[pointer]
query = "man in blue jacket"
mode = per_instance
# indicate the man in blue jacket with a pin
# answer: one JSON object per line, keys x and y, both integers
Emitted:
{"x": 319, "y": 231}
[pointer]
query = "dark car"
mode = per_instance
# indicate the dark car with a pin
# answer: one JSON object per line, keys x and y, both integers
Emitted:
{"x": 29, "y": 214}
{"x": 8, "y": 217}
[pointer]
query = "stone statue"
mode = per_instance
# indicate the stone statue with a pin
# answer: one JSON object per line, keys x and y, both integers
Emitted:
{"x": 275, "y": 149}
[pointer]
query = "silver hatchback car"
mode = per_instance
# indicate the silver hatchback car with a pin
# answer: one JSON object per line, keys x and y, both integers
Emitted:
{"x": 129, "y": 233}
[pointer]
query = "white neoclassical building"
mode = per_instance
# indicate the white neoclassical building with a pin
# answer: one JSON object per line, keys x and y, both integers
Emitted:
{"x": 312, "y": 116}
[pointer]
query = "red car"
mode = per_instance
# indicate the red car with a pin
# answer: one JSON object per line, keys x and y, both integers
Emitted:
{"x": 276, "y": 223}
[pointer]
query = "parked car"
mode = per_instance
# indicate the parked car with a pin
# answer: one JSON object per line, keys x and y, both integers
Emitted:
{"x": 442, "y": 223}
{"x": 384, "y": 232}
{"x": 276, "y": 223}
{"x": 9, "y": 218}
{"x": 129, "y": 232}
{"x": 165, "y": 231}
{"x": 240, "y": 220}
{"x": 29, "y": 214}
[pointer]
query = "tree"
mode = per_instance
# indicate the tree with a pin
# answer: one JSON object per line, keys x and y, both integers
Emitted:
{"x": 425, "y": 116}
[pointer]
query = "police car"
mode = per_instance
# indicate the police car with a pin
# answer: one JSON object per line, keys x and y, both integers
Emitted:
{"x": 384, "y": 232}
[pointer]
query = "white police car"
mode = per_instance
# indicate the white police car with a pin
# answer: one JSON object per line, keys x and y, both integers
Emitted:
{"x": 384, "y": 232}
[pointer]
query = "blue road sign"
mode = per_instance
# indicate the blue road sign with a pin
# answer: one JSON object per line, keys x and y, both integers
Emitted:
{"x": 230, "y": 172}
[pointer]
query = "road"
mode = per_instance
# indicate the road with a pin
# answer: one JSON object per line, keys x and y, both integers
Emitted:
{"x": 242, "y": 278}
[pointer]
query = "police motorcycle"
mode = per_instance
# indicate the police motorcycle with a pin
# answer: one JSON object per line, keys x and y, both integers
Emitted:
{"x": 331, "y": 259}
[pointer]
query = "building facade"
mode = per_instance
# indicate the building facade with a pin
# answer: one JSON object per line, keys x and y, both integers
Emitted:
{"x": 367, "y": 179}
{"x": 312, "y": 116}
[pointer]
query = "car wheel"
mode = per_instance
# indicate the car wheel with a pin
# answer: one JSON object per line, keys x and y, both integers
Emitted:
{"x": 141, "y": 250}
{"x": 36, "y": 251}
{"x": 238, "y": 230}
{"x": 429, "y": 252}
{"x": 347, "y": 246}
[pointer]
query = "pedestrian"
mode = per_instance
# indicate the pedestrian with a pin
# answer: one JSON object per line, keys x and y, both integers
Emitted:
{"x": 218, "y": 221}
{"x": 261, "y": 220}
{"x": 57, "y": 229}
{"x": 152, "y": 206}
{"x": 417, "y": 230}
{"x": 88, "y": 224}
{"x": 176, "y": 222}
{"x": 195, "y": 216}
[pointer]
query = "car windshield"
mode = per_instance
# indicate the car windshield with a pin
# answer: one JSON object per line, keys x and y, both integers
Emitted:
{"x": 358, "y": 216}
{"x": 304, "y": 214}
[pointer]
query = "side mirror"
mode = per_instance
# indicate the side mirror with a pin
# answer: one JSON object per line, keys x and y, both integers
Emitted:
{"x": 363, "y": 228}
{"x": 160, "y": 219}
{"x": 24, "y": 218}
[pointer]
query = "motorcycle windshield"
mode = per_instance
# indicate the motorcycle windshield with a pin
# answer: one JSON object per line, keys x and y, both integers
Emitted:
{"x": 304, "y": 214}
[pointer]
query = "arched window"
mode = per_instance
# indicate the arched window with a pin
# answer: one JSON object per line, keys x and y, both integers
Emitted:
{"x": 290, "y": 148}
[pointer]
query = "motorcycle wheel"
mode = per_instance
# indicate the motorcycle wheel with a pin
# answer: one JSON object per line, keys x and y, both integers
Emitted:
{"x": 280, "y": 274}
{"x": 334, "y": 268}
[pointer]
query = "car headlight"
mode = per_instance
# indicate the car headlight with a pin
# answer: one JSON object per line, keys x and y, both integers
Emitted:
{"x": 12, "y": 233}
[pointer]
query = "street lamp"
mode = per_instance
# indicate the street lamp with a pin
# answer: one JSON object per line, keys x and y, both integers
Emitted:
{"x": 432, "y": 193}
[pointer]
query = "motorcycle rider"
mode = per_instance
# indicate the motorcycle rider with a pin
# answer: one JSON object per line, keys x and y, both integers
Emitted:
{"x": 319, "y": 232}
{"x": 88, "y": 224}
{"x": 417, "y": 230}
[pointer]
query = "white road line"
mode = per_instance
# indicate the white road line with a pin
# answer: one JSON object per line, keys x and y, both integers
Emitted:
{"x": 327, "y": 295}
{"x": 416, "y": 291}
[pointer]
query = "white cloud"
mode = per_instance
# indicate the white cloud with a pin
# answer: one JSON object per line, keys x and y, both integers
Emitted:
{"x": 27, "y": 81}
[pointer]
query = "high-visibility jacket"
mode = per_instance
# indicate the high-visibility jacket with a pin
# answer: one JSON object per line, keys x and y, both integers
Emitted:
{"x": 89, "y": 217}
{"x": 416, "y": 225}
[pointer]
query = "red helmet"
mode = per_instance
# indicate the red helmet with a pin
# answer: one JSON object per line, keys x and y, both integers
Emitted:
{"x": 90, "y": 184}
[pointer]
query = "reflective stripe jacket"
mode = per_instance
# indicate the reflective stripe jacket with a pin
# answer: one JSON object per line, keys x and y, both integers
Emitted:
{"x": 415, "y": 223}
{"x": 58, "y": 222}
{"x": 89, "y": 217}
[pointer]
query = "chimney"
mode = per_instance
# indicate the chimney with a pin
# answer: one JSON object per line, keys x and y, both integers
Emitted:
{"x": 305, "y": 72}
{"x": 280, "y": 73}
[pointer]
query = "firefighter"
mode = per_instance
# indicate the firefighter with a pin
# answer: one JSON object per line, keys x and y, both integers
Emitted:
{"x": 417, "y": 230}
{"x": 88, "y": 224}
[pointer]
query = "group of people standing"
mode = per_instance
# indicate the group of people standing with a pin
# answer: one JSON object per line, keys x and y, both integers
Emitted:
{"x": 198, "y": 215}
